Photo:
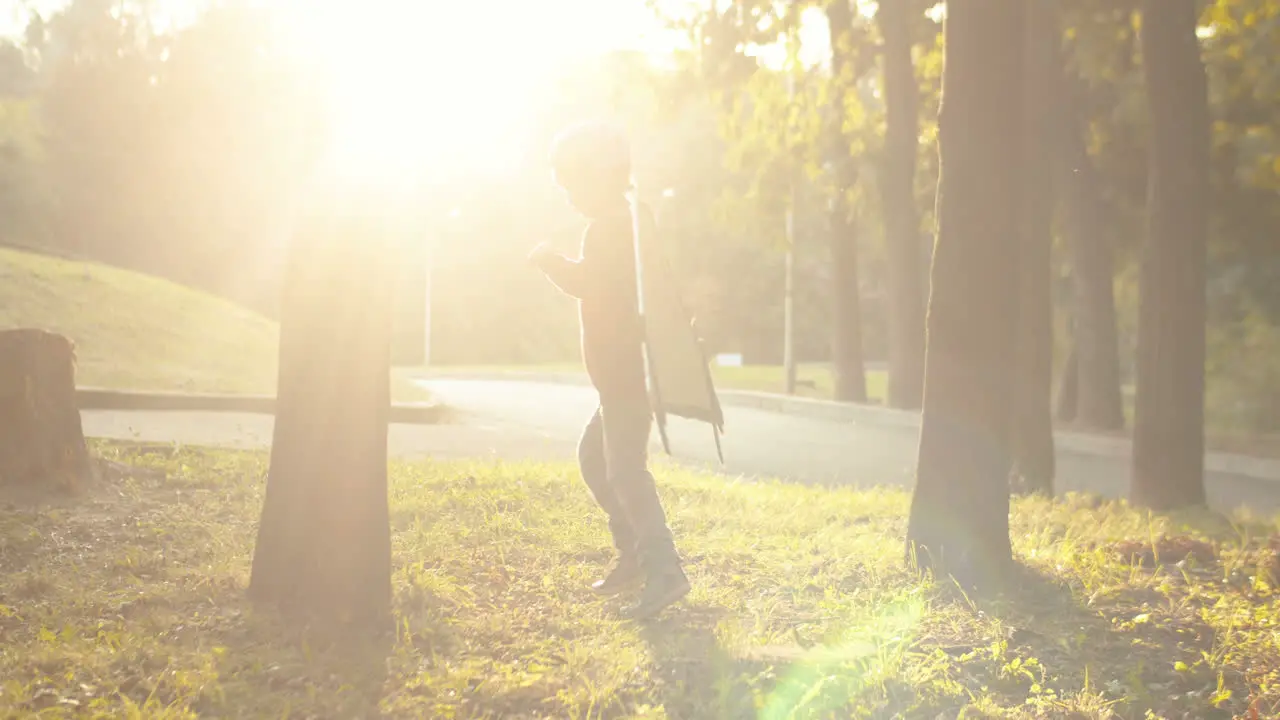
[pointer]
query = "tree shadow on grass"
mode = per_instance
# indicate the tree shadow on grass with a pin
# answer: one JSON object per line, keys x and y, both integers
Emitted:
{"x": 303, "y": 669}
{"x": 1121, "y": 646}
{"x": 1047, "y": 652}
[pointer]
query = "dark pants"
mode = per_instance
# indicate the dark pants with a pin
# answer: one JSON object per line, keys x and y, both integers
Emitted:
{"x": 613, "y": 455}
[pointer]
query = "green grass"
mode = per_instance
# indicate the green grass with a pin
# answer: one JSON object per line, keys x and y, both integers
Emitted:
{"x": 128, "y": 602}
{"x": 812, "y": 380}
{"x": 137, "y": 332}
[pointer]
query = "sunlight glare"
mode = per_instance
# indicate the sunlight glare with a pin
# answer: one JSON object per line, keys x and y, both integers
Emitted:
{"x": 814, "y": 40}
{"x": 430, "y": 90}
{"x": 415, "y": 89}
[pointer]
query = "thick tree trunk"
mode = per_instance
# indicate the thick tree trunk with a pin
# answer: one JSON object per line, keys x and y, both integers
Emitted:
{"x": 324, "y": 545}
{"x": 41, "y": 440}
{"x": 1033, "y": 461}
{"x": 846, "y": 336}
{"x": 1168, "y": 431}
{"x": 1097, "y": 348}
{"x": 897, "y": 195}
{"x": 960, "y": 509}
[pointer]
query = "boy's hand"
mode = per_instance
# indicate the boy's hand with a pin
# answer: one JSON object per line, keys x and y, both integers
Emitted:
{"x": 541, "y": 255}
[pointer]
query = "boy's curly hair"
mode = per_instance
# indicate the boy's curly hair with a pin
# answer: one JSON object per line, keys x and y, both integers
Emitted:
{"x": 594, "y": 148}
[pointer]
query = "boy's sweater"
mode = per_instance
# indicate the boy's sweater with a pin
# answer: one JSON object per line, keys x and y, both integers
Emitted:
{"x": 603, "y": 280}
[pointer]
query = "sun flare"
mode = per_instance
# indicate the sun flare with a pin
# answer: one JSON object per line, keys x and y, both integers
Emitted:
{"x": 431, "y": 89}
{"x": 409, "y": 89}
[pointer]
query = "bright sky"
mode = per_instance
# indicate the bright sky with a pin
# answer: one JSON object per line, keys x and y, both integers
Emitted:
{"x": 444, "y": 85}
{"x": 428, "y": 83}
{"x": 568, "y": 25}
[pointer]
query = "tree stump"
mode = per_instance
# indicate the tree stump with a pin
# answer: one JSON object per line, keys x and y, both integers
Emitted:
{"x": 41, "y": 440}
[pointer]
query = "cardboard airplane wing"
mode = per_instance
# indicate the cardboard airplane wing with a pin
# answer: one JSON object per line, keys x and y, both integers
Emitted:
{"x": 679, "y": 376}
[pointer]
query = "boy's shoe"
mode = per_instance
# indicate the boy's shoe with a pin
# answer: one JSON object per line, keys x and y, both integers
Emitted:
{"x": 626, "y": 574}
{"x": 663, "y": 590}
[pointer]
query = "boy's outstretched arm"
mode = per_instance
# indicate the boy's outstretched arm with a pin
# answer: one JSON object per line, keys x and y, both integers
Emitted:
{"x": 605, "y": 272}
{"x": 567, "y": 275}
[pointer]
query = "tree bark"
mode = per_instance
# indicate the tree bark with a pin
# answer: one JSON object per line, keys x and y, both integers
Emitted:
{"x": 324, "y": 544}
{"x": 42, "y": 442}
{"x": 897, "y": 195}
{"x": 960, "y": 509}
{"x": 1033, "y": 461}
{"x": 1068, "y": 388}
{"x": 846, "y": 337}
{"x": 1168, "y": 432}
{"x": 846, "y": 342}
{"x": 1098, "y": 404}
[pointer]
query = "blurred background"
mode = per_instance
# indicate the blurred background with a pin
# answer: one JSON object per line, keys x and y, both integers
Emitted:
{"x": 173, "y": 137}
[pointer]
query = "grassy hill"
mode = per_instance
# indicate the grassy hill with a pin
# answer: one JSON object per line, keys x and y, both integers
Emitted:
{"x": 138, "y": 332}
{"x": 133, "y": 331}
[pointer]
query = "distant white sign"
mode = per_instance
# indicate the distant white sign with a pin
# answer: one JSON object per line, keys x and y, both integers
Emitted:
{"x": 729, "y": 360}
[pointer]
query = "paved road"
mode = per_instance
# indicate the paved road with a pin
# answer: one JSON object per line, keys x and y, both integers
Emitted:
{"x": 251, "y": 431}
{"x": 760, "y": 442}
{"x": 539, "y": 421}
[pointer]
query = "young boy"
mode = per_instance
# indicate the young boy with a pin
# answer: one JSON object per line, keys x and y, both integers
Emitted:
{"x": 592, "y": 164}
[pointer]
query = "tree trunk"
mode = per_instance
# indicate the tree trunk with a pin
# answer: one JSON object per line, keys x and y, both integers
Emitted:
{"x": 1097, "y": 347}
{"x": 846, "y": 337}
{"x": 897, "y": 195}
{"x": 960, "y": 509}
{"x": 324, "y": 545}
{"x": 1068, "y": 388}
{"x": 846, "y": 342}
{"x": 42, "y": 440}
{"x": 1033, "y": 461}
{"x": 1168, "y": 430}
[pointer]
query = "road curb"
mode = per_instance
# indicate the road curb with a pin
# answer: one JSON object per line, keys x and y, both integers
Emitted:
{"x": 1259, "y": 468}
{"x": 103, "y": 399}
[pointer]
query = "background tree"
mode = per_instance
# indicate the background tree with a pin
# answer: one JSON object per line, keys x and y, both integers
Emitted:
{"x": 1090, "y": 393}
{"x": 1168, "y": 432}
{"x": 846, "y": 344}
{"x": 1033, "y": 461}
{"x": 897, "y": 174}
{"x": 960, "y": 509}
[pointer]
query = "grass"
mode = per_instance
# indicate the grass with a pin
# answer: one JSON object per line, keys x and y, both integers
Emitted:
{"x": 128, "y": 602}
{"x": 812, "y": 380}
{"x": 137, "y": 332}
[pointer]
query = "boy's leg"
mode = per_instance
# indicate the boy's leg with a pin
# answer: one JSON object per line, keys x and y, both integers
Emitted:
{"x": 626, "y": 443}
{"x": 595, "y": 472}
